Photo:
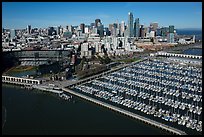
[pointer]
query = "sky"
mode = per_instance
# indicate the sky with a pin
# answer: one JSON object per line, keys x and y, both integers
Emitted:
{"x": 17, "y": 15}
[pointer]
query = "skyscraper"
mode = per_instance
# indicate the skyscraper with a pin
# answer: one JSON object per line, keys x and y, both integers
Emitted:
{"x": 170, "y": 38}
{"x": 130, "y": 25}
{"x": 12, "y": 34}
{"x": 122, "y": 27}
{"x": 142, "y": 31}
{"x": 136, "y": 28}
{"x": 171, "y": 34}
{"x": 164, "y": 31}
{"x": 82, "y": 26}
{"x": 100, "y": 29}
{"x": 70, "y": 28}
{"x": 29, "y": 29}
{"x": 3, "y": 30}
{"x": 96, "y": 22}
{"x": 171, "y": 29}
{"x": 50, "y": 31}
{"x": 58, "y": 30}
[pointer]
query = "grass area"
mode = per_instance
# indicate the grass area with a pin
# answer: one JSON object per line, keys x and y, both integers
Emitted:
{"x": 46, "y": 75}
{"x": 177, "y": 51}
{"x": 18, "y": 69}
{"x": 129, "y": 60}
{"x": 23, "y": 68}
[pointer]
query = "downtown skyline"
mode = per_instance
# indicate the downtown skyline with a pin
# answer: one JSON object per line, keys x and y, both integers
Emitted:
{"x": 17, "y": 15}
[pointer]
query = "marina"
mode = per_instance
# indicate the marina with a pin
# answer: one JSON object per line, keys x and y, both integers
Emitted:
{"x": 166, "y": 89}
{"x": 159, "y": 91}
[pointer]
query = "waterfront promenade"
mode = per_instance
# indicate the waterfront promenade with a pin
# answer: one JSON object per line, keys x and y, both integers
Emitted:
{"x": 127, "y": 113}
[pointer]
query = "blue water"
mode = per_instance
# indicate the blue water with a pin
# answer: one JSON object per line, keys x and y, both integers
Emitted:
{"x": 194, "y": 51}
{"x": 39, "y": 113}
{"x": 196, "y": 32}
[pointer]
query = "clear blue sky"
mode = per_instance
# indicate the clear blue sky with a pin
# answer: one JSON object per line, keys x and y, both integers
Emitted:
{"x": 18, "y": 15}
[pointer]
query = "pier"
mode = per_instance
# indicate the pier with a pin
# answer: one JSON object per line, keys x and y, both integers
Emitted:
{"x": 133, "y": 115}
{"x": 166, "y": 54}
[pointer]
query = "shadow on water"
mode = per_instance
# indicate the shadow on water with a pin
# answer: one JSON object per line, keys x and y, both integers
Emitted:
{"x": 3, "y": 116}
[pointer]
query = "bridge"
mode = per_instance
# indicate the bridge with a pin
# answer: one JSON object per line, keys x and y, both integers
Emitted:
{"x": 127, "y": 113}
{"x": 20, "y": 81}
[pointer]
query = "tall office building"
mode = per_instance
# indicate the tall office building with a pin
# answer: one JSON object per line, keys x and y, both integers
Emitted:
{"x": 130, "y": 25}
{"x": 69, "y": 28}
{"x": 91, "y": 25}
{"x": 100, "y": 29}
{"x": 153, "y": 26}
{"x": 58, "y": 30}
{"x": 158, "y": 32}
{"x": 115, "y": 25}
{"x": 111, "y": 29}
{"x": 122, "y": 27}
{"x": 12, "y": 34}
{"x": 50, "y": 31}
{"x": 136, "y": 28}
{"x": 164, "y": 31}
{"x": 29, "y": 29}
{"x": 142, "y": 31}
{"x": 170, "y": 38}
{"x": 171, "y": 29}
{"x": 82, "y": 26}
{"x": 106, "y": 31}
{"x": 96, "y": 22}
{"x": 3, "y": 30}
{"x": 86, "y": 29}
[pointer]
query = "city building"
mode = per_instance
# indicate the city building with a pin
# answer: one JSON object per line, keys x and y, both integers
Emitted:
{"x": 130, "y": 25}
{"x": 142, "y": 31}
{"x": 82, "y": 26}
{"x": 70, "y": 28}
{"x": 100, "y": 29}
{"x": 12, "y": 34}
{"x": 106, "y": 32}
{"x": 164, "y": 31}
{"x": 152, "y": 34}
{"x": 96, "y": 22}
{"x": 171, "y": 29}
{"x": 122, "y": 28}
{"x": 153, "y": 26}
{"x": 29, "y": 29}
{"x": 136, "y": 28}
{"x": 87, "y": 29}
{"x": 58, "y": 30}
{"x": 50, "y": 31}
{"x": 91, "y": 25}
{"x": 170, "y": 37}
